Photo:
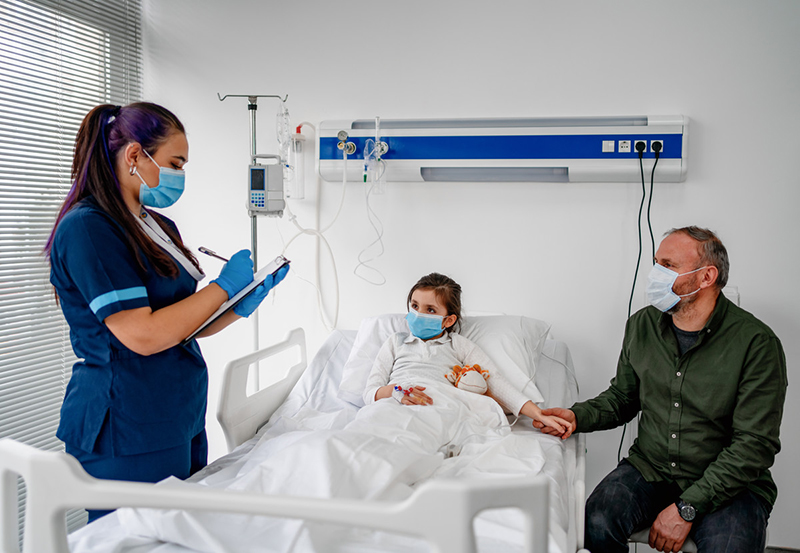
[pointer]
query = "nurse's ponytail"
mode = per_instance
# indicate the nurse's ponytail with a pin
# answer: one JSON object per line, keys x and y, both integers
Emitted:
{"x": 105, "y": 131}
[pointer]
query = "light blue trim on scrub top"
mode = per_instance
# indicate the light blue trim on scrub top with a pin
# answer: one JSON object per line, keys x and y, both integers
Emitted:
{"x": 117, "y": 295}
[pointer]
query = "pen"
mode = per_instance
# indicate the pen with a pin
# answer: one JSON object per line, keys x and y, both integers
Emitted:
{"x": 206, "y": 251}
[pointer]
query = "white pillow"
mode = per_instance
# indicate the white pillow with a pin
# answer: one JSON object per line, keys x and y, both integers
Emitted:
{"x": 372, "y": 333}
{"x": 513, "y": 343}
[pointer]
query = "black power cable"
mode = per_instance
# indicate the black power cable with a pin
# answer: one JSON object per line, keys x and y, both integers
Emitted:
{"x": 641, "y": 146}
{"x": 656, "y": 146}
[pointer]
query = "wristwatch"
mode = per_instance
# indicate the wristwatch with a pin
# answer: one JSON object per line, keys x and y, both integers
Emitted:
{"x": 686, "y": 511}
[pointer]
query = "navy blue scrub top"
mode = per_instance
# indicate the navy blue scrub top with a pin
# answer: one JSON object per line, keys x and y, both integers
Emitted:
{"x": 147, "y": 403}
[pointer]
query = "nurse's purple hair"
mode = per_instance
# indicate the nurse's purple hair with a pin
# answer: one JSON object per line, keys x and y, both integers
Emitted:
{"x": 104, "y": 132}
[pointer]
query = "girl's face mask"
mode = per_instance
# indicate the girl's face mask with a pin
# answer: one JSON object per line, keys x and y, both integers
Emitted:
{"x": 424, "y": 326}
{"x": 170, "y": 186}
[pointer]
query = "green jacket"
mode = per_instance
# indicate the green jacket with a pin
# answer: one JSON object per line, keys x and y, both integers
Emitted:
{"x": 710, "y": 418}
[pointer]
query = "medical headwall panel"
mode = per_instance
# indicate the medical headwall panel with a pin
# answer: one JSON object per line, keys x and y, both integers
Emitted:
{"x": 555, "y": 149}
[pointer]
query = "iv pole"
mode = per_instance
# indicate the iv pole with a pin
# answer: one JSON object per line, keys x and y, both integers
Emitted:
{"x": 252, "y": 106}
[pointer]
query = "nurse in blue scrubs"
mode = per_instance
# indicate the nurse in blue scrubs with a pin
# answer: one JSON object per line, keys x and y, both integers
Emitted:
{"x": 135, "y": 406}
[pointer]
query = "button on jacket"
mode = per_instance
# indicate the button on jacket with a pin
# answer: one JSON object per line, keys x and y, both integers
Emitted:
{"x": 710, "y": 418}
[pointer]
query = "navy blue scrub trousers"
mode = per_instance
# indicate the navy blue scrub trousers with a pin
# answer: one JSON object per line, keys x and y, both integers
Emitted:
{"x": 181, "y": 461}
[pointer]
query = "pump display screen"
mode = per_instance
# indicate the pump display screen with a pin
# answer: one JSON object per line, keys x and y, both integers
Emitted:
{"x": 257, "y": 179}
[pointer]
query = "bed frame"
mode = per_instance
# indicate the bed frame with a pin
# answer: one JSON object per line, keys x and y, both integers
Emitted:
{"x": 440, "y": 511}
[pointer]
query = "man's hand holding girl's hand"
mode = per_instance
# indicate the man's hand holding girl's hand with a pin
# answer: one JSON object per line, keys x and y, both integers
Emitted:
{"x": 556, "y": 422}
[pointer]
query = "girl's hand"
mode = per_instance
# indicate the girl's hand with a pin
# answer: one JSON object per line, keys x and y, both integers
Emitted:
{"x": 416, "y": 396}
{"x": 556, "y": 422}
{"x": 565, "y": 416}
{"x": 561, "y": 427}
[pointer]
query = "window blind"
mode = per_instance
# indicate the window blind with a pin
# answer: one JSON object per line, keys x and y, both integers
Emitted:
{"x": 58, "y": 59}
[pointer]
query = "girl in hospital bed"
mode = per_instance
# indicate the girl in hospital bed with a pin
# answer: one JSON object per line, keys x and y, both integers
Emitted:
{"x": 396, "y": 441}
{"x": 432, "y": 347}
{"x": 386, "y": 448}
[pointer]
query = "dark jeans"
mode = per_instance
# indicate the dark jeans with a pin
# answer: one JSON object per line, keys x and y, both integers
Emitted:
{"x": 624, "y": 503}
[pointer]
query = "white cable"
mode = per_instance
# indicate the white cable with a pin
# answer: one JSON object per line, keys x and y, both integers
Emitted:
{"x": 344, "y": 188}
{"x": 322, "y": 238}
{"x": 378, "y": 240}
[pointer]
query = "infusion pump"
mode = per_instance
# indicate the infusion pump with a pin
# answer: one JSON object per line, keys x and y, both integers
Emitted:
{"x": 265, "y": 190}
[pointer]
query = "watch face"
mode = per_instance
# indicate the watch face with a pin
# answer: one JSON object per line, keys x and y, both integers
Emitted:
{"x": 687, "y": 512}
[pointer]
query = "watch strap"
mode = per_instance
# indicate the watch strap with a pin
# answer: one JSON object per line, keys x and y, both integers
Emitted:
{"x": 685, "y": 510}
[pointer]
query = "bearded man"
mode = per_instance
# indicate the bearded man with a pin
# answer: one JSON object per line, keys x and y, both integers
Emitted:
{"x": 709, "y": 380}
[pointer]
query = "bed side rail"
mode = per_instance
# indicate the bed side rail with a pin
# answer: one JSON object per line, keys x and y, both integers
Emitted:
{"x": 241, "y": 415}
{"x": 580, "y": 489}
{"x": 440, "y": 511}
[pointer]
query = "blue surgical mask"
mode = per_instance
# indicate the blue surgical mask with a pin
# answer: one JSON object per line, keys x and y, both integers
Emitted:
{"x": 170, "y": 186}
{"x": 424, "y": 326}
{"x": 659, "y": 287}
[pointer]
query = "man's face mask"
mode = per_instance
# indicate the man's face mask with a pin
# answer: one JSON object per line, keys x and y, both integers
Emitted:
{"x": 659, "y": 287}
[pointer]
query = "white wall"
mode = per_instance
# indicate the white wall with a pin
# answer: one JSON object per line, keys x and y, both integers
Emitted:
{"x": 560, "y": 252}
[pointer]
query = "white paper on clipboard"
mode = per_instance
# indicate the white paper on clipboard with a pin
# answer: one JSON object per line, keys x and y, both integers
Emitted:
{"x": 269, "y": 269}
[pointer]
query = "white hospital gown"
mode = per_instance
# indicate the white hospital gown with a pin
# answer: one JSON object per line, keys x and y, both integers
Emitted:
{"x": 407, "y": 360}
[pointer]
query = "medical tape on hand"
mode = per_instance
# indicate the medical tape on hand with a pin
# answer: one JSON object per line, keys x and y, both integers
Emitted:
{"x": 398, "y": 393}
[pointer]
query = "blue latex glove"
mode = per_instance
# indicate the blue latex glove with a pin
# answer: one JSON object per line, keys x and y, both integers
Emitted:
{"x": 249, "y": 304}
{"x": 236, "y": 273}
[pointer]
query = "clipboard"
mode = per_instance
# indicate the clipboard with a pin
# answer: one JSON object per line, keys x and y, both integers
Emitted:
{"x": 269, "y": 269}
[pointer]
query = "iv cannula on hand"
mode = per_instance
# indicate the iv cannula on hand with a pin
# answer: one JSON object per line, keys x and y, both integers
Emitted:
{"x": 206, "y": 251}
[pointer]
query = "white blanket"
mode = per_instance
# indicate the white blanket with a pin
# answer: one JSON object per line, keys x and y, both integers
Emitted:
{"x": 318, "y": 446}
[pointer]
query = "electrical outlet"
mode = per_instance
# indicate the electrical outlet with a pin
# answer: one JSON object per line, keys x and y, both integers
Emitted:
{"x": 642, "y": 142}
{"x": 657, "y": 142}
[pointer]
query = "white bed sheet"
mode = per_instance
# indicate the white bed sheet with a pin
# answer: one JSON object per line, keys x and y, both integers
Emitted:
{"x": 314, "y": 404}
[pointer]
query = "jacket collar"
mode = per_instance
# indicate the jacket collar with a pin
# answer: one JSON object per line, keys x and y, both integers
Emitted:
{"x": 714, "y": 321}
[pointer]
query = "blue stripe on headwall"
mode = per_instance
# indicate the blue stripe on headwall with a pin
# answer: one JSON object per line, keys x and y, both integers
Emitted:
{"x": 505, "y": 147}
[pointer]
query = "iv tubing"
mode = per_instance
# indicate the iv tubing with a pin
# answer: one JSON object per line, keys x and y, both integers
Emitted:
{"x": 317, "y": 273}
{"x": 320, "y": 239}
{"x": 344, "y": 188}
{"x": 365, "y": 263}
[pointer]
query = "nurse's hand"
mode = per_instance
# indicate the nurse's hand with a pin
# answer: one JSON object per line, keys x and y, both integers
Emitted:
{"x": 236, "y": 273}
{"x": 250, "y": 303}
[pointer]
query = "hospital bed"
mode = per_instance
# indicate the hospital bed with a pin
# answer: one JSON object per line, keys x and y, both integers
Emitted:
{"x": 512, "y": 510}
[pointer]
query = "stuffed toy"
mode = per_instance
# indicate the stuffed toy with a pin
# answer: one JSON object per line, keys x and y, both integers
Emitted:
{"x": 471, "y": 379}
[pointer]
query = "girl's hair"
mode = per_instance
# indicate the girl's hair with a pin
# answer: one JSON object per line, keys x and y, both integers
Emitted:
{"x": 104, "y": 132}
{"x": 447, "y": 291}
